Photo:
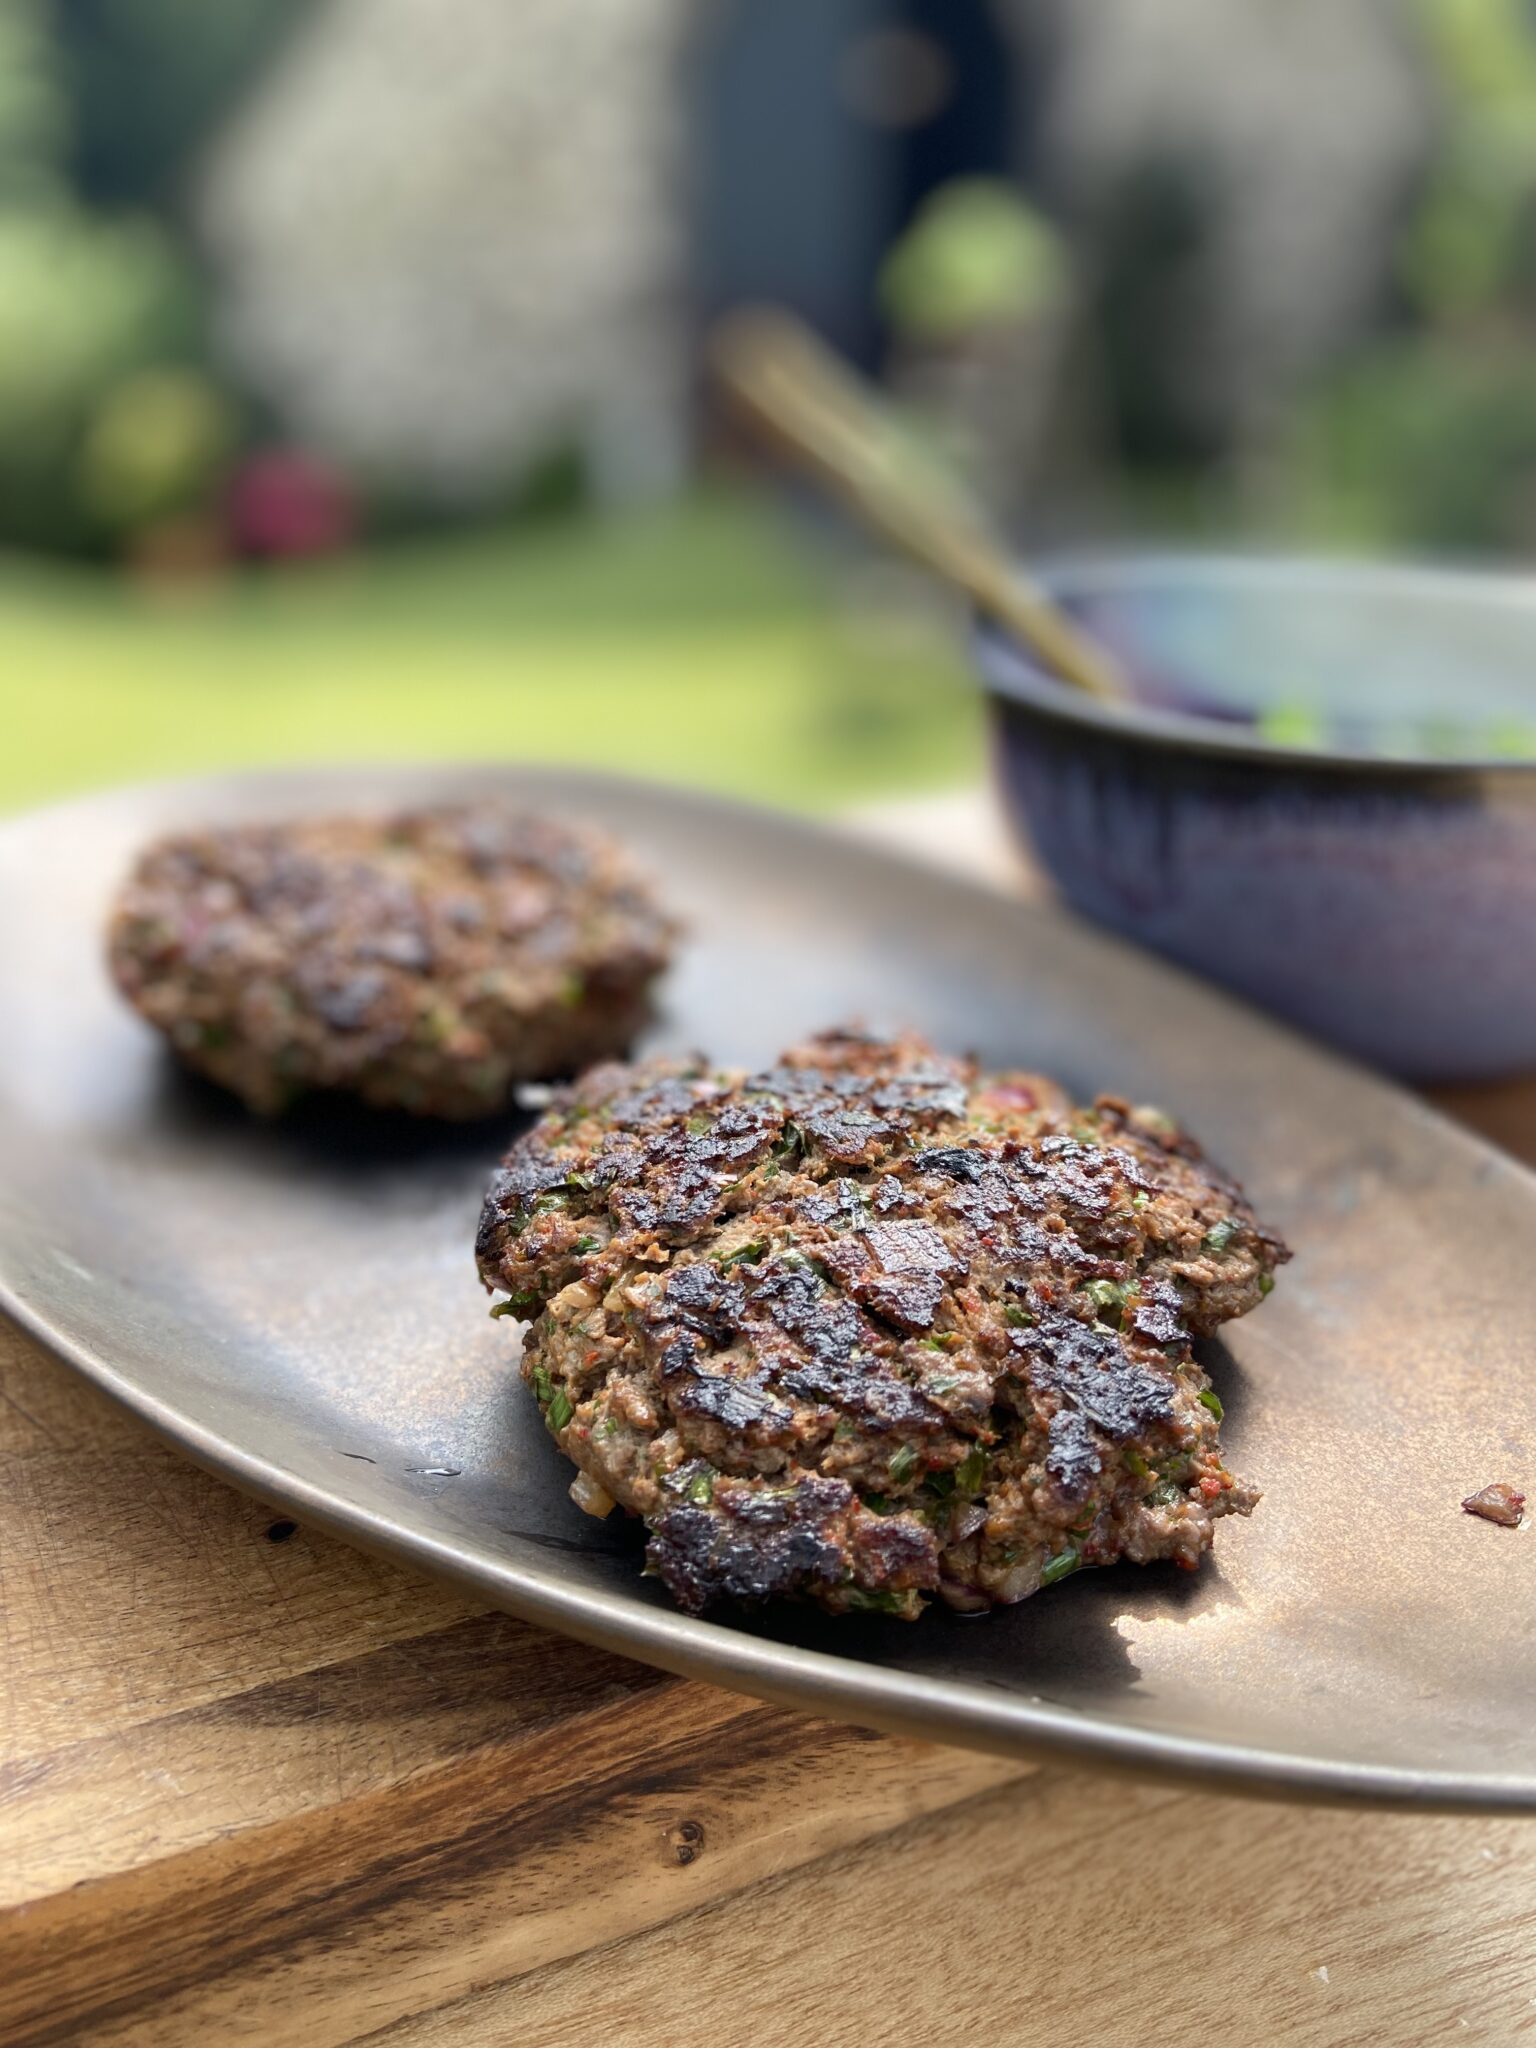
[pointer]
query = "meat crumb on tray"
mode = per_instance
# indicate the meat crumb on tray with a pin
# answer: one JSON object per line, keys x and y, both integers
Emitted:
{"x": 1499, "y": 1503}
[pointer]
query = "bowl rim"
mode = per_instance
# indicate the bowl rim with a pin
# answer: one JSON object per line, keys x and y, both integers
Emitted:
{"x": 1012, "y": 677}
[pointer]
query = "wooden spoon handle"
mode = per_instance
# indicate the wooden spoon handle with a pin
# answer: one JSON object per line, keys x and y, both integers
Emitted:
{"x": 812, "y": 406}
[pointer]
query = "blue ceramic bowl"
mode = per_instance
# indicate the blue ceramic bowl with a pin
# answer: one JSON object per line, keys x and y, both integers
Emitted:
{"x": 1315, "y": 798}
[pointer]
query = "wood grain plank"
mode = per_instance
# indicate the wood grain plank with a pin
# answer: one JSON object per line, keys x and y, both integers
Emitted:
{"x": 1071, "y": 1908}
{"x": 301, "y": 1745}
{"x": 249, "y": 1789}
{"x": 414, "y": 1894}
{"x": 133, "y": 1586}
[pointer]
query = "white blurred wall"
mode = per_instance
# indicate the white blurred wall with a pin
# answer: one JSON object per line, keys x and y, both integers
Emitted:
{"x": 1304, "y": 121}
{"x": 448, "y": 239}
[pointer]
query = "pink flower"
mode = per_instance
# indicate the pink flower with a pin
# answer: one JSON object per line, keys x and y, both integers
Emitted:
{"x": 284, "y": 503}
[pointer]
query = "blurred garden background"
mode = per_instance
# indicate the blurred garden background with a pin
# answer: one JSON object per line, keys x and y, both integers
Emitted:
{"x": 350, "y": 399}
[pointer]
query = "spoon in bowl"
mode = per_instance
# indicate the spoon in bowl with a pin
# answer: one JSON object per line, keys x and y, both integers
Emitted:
{"x": 814, "y": 407}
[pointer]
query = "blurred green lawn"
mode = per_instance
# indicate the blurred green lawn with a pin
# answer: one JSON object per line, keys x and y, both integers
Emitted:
{"x": 706, "y": 644}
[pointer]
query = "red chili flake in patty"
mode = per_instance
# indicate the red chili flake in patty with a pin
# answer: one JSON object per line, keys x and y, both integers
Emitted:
{"x": 1497, "y": 1503}
{"x": 1009, "y": 1096}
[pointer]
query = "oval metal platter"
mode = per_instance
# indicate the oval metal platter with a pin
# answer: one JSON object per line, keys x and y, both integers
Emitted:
{"x": 295, "y": 1305}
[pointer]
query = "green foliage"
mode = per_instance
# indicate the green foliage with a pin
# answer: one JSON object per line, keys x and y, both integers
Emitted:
{"x": 1470, "y": 242}
{"x": 1427, "y": 438}
{"x": 154, "y": 446}
{"x": 83, "y": 303}
{"x": 34, "y": 117}
{"x": 104, "y": 421}
{"x": 1428, "y": 443}
{"x": 149, "y": 80}
{"x": 977, "y": 254}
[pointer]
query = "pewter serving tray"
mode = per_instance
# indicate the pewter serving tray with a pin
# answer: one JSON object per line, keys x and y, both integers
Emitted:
{"x": 296, "y": 1306}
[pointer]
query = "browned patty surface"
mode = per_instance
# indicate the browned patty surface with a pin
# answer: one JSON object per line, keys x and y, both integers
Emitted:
{"x": 872, "y": 1324}
{"x": 427, "y": 961}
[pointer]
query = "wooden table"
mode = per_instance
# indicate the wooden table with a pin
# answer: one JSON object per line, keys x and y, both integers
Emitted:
{"x": 257, "y": 1787}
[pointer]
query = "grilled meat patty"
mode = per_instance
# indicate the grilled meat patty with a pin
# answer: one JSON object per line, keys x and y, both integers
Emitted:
{"x": 428, "y": 961}
{"x": 872, "y": 1324}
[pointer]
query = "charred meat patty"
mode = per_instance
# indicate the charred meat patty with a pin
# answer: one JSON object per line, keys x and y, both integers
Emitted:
{"x": 428, "y": 961}
{"x": 872, "y": 1324}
